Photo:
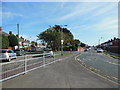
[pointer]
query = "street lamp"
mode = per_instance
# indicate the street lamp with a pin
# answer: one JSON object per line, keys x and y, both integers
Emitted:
{"x": 62, "y": 47}
{"x": 18, "y": 36}
{"x": 37, "y": 43}
{"x": 62, "y": 41}
{"x": 99, "y": 41}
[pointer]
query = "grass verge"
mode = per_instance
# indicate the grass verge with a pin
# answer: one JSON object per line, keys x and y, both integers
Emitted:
{"x": 65, "y": 53}
{"x": 116, "y": 57}
{"x": 105, "y": 53}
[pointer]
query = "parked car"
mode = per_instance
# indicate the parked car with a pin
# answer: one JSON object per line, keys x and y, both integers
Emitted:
{"x": 86, "y": 49}
{"x": 48, "y": 52}
{"x": 95, "y": 48}
{"x": 34, "y": 49}
{"x": 99, "y": 50}
{"x": 7, "y": 54}
{"x": 20, "y": 52}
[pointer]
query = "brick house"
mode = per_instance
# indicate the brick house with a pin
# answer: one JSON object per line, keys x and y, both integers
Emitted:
{"x": 112, "y": 45}
{"x": 23, "y": 43}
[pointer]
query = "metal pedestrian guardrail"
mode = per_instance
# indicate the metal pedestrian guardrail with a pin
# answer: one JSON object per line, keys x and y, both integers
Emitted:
{"x": 16, "y": 68}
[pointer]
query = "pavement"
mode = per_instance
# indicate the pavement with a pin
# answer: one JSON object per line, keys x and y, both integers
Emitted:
{"x": 66, "y": 73}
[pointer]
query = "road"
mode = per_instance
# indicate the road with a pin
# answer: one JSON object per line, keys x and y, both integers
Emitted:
{"x": 100, "y": 61}
{"x": 67, "y": 73}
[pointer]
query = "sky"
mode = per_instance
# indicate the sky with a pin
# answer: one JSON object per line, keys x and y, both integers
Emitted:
{"x": 88, "y": 21}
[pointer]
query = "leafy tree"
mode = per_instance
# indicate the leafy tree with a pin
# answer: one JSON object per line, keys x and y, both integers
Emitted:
{"x": 33, "y": 44}
{"x": 4, "y": 41}
{"x": 13, "y": 40}
{"x": 43, "y": 44}
{"x": 83, "y": 45}
{"x": 32, "y": 41}
{"x": 53, "y": 36}
{"x": 36, "y": 43}
{"x": 75, "y": 44}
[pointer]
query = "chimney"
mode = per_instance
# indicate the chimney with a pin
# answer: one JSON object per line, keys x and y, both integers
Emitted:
{"x": 16, "y": 35}
{"x": 10, "y": 32}
{"x": 0, "y": 29}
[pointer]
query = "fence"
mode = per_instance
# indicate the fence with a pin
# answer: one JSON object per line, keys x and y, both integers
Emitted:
{"x": 16, "y": 68}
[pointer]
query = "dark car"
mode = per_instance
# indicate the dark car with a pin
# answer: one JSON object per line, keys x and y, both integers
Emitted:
{"x": 85, "y": 49}
{"x": 20, "y": 52}
{"x": 48, "y": 52}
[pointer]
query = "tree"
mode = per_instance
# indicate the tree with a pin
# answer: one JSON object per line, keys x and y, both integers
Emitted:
{"x": 52, "y": 36}
{"x": 5, "y": 41}
{"x": 83, "y": 45}
{"x": 75, "y": 44}
{"x": 36, "y": 44}
{"x": 33, "y": 44}
{"x": 13, "y": 40}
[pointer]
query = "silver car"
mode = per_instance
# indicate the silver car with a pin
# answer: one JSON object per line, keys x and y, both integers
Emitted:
{"x": 7, "y": 54}
{"x": 99, "y": 50}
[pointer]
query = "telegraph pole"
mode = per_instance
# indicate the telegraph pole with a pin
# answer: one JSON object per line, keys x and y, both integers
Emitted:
{"x": 18, "y": 35}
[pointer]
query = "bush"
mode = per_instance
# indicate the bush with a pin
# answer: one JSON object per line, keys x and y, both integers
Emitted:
{"x": 13, "y": 41}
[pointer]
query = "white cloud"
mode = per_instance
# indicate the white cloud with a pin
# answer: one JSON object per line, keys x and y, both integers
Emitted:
{"x": 107, "y": 27}
{"x": 79, "y": 10}
{"x": 93, "y": 9}
{"x": 108, "y": 8}
{"x": 10, "y": 14}
{"x": 109, "y": 24}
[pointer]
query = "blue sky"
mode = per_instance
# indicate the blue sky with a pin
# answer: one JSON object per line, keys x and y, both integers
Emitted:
{"x": 88, "y": 21}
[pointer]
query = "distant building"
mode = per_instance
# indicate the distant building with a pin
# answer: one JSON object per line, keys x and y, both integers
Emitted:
{"x": 40, "y": 45}
{"x": 112, "y": 45}
{"x": 1, "y": 32}
{"x": 23, "y": 43}
{"x": 112, "y": 42}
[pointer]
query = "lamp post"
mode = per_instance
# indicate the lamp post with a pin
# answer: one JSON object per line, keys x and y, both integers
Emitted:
{"x": 18, "y": 36}
{"x": 62, "y": 47}
{"x": 62, "y": 41}
{"x": 99, "y": 41}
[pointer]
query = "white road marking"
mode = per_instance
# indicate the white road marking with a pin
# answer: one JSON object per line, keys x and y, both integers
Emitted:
{"x": 112, "y": 63}
{"x": 95, "y": 72}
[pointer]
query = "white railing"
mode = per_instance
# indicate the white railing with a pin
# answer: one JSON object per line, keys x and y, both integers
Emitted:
{"x": 16, "y": 68}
